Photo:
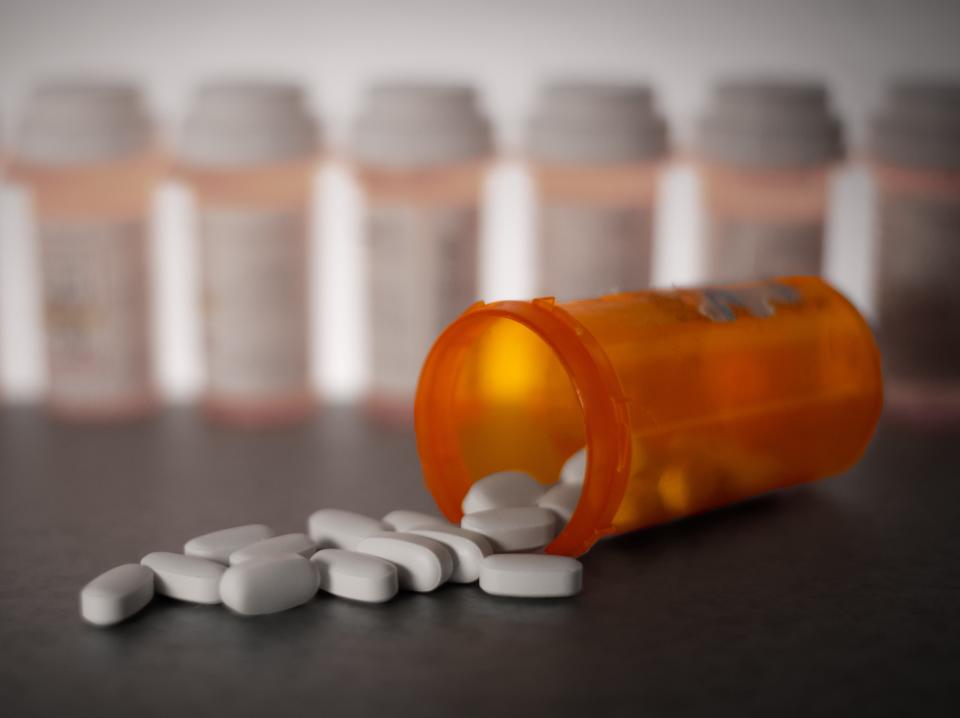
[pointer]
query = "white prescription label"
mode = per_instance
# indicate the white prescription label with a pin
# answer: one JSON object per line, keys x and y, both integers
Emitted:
{"x": 591, "y": 251}
{"x": 254, "y": 274}
{"x": 742, "y": 249}
{"x": 96, "y": 311}
{"x": 422, "y": 275}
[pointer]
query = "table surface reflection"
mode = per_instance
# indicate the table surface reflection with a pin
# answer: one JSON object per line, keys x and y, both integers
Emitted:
{"x": 830, "y": 598}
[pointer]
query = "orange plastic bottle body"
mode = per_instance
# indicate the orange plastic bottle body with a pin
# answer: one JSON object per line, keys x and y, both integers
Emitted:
{"x": 92, "y": 224}
{"x": 253, "y": 227}
{"x": 686, "y": 400}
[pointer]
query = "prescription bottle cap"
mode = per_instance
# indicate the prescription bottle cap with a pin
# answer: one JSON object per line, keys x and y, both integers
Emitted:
{"x": 770, "y": 123}
{"x": 920, "y": 125}
{"x": 80, "y": 121}
{"x": 409, "y": 125}
{"x": 582, "y": 122}
{"x": 237, "y": 123}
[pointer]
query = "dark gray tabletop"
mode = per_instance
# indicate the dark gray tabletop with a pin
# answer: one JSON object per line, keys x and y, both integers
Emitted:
{"x": 837, "y": 598}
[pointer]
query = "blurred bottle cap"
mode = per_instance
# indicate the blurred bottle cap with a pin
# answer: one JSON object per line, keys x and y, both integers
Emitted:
{"x": 408, "y": 125}
{"x": 80, "y": 121}
{"x": 239, "y": 123}
{"x": 770, "y": 123}
{"x": 585, "y": 122}
{"x": 920, "y": 125}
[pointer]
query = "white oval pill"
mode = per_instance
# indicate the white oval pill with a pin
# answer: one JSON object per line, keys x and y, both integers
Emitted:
{"x": 501, "y": 490}
{"x": 335, "y": 528}
{"x": 186, "y": 578}
{"x": 218, "y": 546}
{"x": 116, "y": 594}
{"x": 468, "y": 549}
{"x": 531, "y": 575}
{"x": 422, "y": 564}
{"x": 574, "y": 469}
{"x": 522, "y": 528}
{"x": 562, "y": 499}
{"x": 357, "y": 576}
{"x": 268, "y": 585}
{"x": 276, "y": 546}
{"x": 403, "y": 520}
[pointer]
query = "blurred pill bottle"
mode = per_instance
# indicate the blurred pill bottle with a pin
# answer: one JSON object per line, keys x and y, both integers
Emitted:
{"x": 88, "y": 154}
{"x": 915, "y": 160}
{"x": 595, "y": 151}
{"x": 421, "y": 152}
{"x": 249, "y": 151}
{"x": 765, "y": 152}
{"x": 686, "y": 400}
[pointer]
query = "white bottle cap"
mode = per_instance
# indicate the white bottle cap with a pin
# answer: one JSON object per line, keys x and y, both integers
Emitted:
{"x": 920, "y": 125}
{"x": 70, "y": 122}
{"x": 406, "y": 125}
{"x": 238, "y": 123}
{"x": 770, "y": 124}
{"x": 596, "y": 123}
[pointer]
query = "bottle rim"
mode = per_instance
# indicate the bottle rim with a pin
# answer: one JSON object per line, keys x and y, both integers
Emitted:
{"x": 602, "y": 404}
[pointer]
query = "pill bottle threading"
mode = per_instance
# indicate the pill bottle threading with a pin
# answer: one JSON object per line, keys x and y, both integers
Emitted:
{"x": 249, "y": 153}
{"x": 421, "y": 153}
{"x": 595, "y": 151}
{"x": 766, "y": 151}
{"x": 915, "y": 162}
{"x": 88, "y": 154}
{"x": 686, "y": 400}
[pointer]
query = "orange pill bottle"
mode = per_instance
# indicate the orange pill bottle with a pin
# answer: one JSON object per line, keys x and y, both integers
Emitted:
{"x": 249, "y": 153}
{"x": 88, "y": 155}
{"x": 686, "y": 400}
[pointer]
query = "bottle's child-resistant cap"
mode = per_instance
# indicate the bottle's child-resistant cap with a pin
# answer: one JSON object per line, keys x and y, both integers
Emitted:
{"x": 920, "y": 125}
{"x": 82, "y": 121}
{"x": 590, "y": 122}
{"x": 410, "y": 125}
{"x": 239, "y": 123}
{"x": 770, "y": 123}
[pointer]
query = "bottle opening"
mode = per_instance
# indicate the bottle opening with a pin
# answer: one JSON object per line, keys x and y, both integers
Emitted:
{"x": 516, "y": 385}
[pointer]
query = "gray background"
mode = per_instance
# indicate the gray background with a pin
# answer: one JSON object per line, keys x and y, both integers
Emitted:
{"x": 507, "y": 48}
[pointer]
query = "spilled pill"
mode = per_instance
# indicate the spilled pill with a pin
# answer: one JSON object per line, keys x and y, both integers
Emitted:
{"x": 468, "y": 549}
{"x": 500, "y": 490}
{"x": 422, "y": 563}
{"x": 531, "y": 575}
{"x": 522, "y": 528}
{"x": 562, "y": 499}
{"x": 403, "y": 520}
{"x": 358, "y": 576}
{"x": 335, "y": 528}
{"x": 268, "y": 585}
{"x": 186, "y": 578}
{"x": 218, "y": 546}
{"x": 574, "y": 469}
{"x": 116, "y": 594}
{"x": 274, "y": 546}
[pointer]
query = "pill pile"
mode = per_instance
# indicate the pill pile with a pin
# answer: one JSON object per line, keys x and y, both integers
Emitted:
{"x": 508, "y": 519}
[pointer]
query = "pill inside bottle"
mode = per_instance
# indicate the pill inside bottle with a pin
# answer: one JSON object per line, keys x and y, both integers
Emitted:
{"x": 686, "y": 400}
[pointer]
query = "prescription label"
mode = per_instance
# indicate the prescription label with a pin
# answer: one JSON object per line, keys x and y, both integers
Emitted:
{"x": 918, "y": 287}
{"x": 96, "y": 310}
{"x": 590, "y": 251}
{"x": 741, "y": 249}
{"x": 254, "y": 300}
{"x": 422, "y": 274}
